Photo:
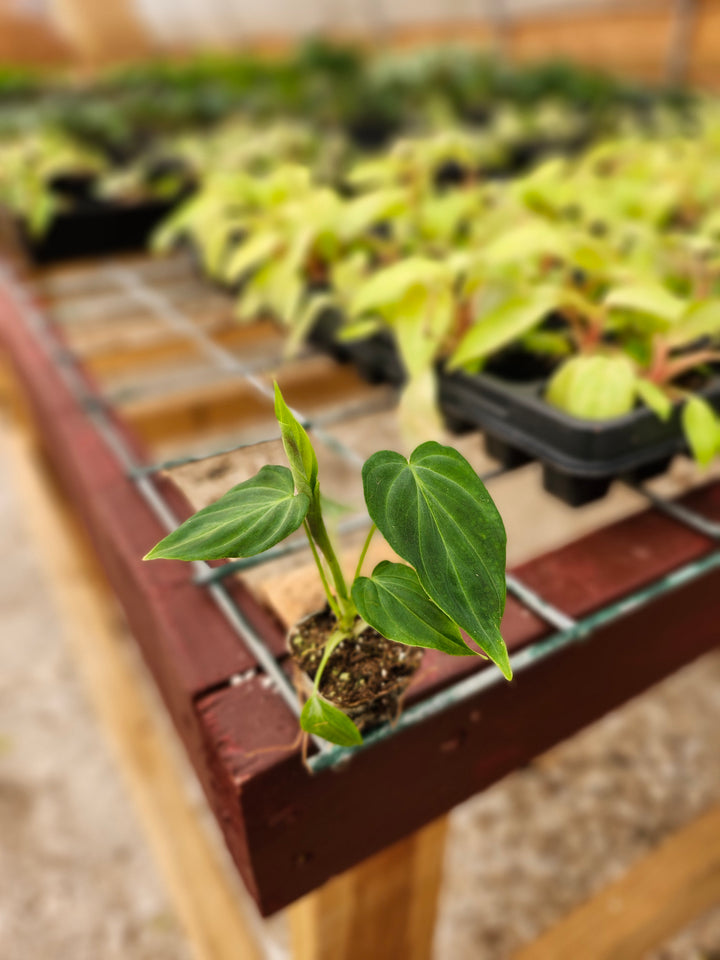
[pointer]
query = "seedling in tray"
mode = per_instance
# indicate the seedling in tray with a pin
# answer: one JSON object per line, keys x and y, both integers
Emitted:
{"x": 360, "y": 653}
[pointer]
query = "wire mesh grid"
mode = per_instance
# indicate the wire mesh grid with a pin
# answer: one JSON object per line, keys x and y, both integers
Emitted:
{"x": 103, "y": 290}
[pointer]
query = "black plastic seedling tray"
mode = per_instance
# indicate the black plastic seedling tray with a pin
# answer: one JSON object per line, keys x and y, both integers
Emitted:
{"x": 95, "y": 229}
{"x": 376, "y": 358}
{"x": 580, "y": 458}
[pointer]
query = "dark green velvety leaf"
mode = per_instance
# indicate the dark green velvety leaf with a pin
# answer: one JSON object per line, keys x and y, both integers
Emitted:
{"x": 248, "y": 519}
{"x": 393, "y": 601}
{"x": 324, "y": 720}
{"x": 298, "y": 449}
{"x": 436, "y": 514}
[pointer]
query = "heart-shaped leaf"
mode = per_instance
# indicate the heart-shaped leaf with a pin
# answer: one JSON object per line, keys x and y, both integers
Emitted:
{"x": 250, "y": 518}
{"x": 436, "y": 514}
{"x": 324, "y": 720}
{"x": 393, "y": 601}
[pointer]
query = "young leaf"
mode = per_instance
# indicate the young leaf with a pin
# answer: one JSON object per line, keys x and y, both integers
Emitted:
{"x": 701, "y": 430}
{"x": 323, "y": 719}
{"x": 508, "y": 321}
{"x": 525, "y": 242}
{"x": 421, "y": 321}
{"x": 255, "y": 250}
{"x": 390, "y": 284}
{"x": 654, "y": 397}
{"x": 701, "y": 320}
{"x": 436, "y": 514}
{"x": 358, "y": 330}
{"x": 393, "y": 601}
{"x": 363, "y": 212}
{"x": 248, "y": 519}
{"x": 648, "y": 298}
{"x": 298, "y": 449}
{"x": 311, "y": 310}
{"x": 594, "y": 388}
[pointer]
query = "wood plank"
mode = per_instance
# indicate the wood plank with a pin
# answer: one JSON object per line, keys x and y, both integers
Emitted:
{"x": 229, "y": 403}
{"x": 163, "y": 606}
{"x": 114, "y": 356}
{"x": 384, "y": 908}
{"x": 308, "y": 384}
{"x": 204, "y": 892}
{"x": 656, "y": 898}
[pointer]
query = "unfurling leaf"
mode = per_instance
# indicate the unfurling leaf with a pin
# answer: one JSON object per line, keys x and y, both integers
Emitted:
{"x": 324, "y": 720}
{"x": 298, "y": 448}
{"x": 436, "y": 514}
{"x": 394, "y": 603}
{"x": 250, "y": 518}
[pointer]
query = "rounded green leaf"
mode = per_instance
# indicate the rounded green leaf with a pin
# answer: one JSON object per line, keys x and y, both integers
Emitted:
{"x": 436, "y": 514}
{"x": 701, "y": 430}
{"x": 394, "y": 603}
{"x": 594, "y": 388}
{"x": 250, "y": 518}
{"x": 324, "y": 720}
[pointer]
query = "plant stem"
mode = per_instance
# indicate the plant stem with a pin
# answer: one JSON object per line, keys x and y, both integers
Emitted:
{"x": 316, "y": 525}
{"x": 372, "y": 530}
{"x": 676, "y": 367}
{"x": 333, "y": 641}
{"x": 318, "y": 562}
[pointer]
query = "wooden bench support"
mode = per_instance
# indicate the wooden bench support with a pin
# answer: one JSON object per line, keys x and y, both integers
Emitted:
{"x": 382, "y": 909}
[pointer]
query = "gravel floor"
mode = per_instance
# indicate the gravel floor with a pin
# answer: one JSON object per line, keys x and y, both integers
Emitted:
{"x": 528, "y": 850}
{"x": 77, "y": 881}
{"x": 519, "y": 856}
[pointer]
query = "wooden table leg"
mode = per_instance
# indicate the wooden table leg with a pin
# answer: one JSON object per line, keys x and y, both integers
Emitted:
{"x": 383, "y": 909}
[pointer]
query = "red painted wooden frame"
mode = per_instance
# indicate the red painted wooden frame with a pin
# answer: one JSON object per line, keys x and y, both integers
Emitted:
{"x": 290, "y": 831}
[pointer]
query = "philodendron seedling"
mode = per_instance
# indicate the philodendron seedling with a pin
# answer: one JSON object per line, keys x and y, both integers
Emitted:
{"x": 432, "y": 509}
